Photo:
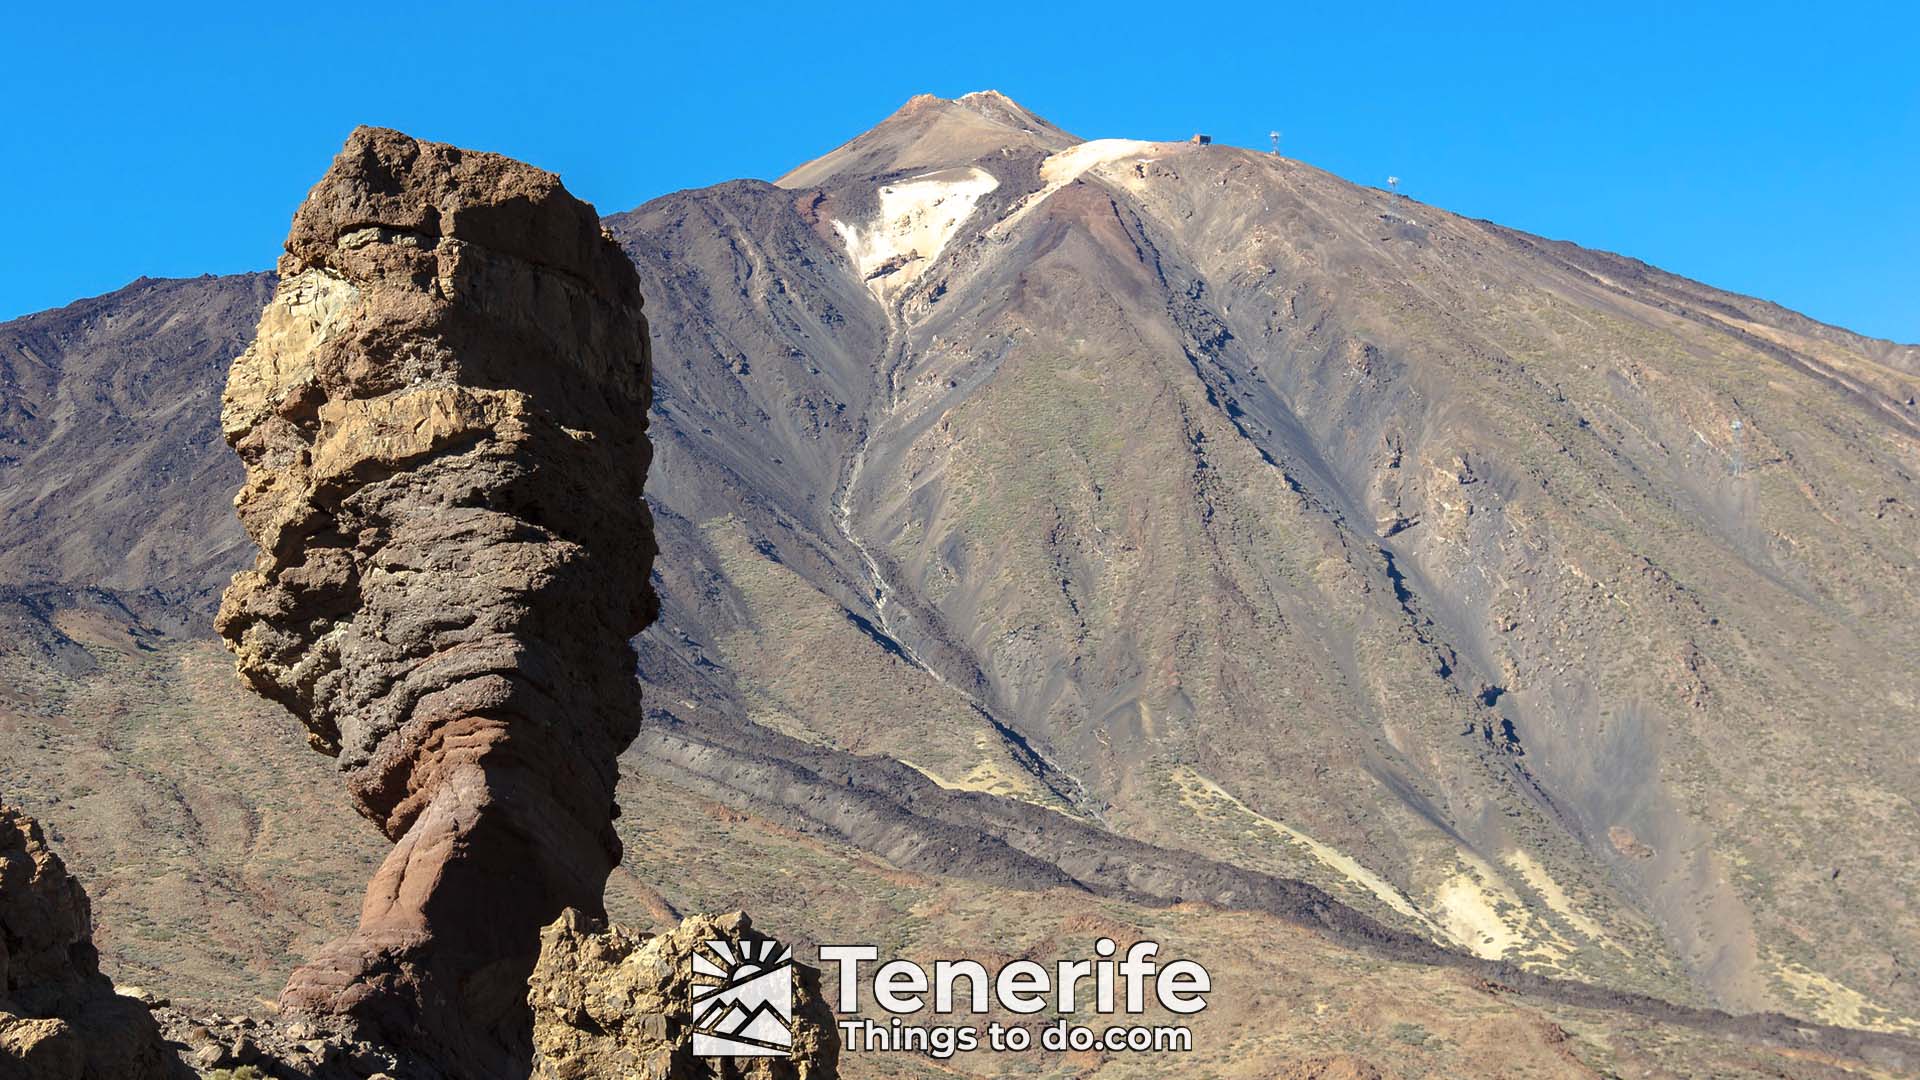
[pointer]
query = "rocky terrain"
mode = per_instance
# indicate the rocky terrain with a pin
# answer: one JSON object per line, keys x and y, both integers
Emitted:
{"x": 607, "y": 1001}
{"x": 1176, "y": 536}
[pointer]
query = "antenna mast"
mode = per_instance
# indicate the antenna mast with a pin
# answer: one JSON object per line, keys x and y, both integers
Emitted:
{"x": 1275, "y": 136}
{"x": 1736, "y": 427}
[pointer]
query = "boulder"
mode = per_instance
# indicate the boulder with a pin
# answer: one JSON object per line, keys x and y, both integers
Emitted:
{"x": 60, "y": 1018}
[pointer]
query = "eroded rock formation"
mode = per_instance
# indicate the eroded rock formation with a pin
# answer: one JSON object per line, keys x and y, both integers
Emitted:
{"x": 60, "y": 1018}
{"x": 443, "y": 421}
{"x": 610, "y": 1001}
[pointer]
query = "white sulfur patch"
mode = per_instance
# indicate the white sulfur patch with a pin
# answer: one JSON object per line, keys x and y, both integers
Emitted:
{"x": 1193, "y": 783}
{"x": 920, "y": 216}
{"x": 1473, "y": 914}
{"x": 1067, "y": 166}
{"x": 917, "y": 219}
{"x": 1541, "y": 882}
{"x": 1063, "y": 168}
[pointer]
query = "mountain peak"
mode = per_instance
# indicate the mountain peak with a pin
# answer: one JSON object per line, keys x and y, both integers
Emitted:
{"x": 995, "y": 105}
{"x": 934, "y": 132}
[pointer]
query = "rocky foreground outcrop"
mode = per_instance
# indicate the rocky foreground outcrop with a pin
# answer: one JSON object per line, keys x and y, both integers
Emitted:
{"x": 60, "y": 1018}
{"x": 611, "y": 1002}
{"x": 443, "y": 421}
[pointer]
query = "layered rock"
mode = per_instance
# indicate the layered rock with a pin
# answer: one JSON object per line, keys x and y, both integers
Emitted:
{"x": 60, "y": 1018}
{"x": 443, "y": 422}
{"x": 610, "y": 1001}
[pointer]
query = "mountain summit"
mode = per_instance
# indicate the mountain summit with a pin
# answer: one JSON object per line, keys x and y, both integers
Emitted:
{"x": 928, "y": 132}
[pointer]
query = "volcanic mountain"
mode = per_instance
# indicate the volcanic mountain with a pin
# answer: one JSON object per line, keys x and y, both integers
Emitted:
{"x": 1173, "y": 525}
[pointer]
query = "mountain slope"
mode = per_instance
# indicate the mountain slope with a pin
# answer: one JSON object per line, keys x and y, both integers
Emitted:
{"x": 1205, "y": 525}
{"x": 1198, "y": 470}
{"x": 112, "y": 471}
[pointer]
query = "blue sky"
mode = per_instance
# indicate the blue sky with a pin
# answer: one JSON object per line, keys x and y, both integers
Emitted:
{"x": 1773, "y": 150}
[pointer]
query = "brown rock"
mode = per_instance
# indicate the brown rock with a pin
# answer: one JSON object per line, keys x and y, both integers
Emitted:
{"x": 42, "y": 1049}
{"x": 1626, "y": 843}
{"x": 609, "y": 1001}
{"x": 443, "y": 422}
{"x": 59, "y": 1016}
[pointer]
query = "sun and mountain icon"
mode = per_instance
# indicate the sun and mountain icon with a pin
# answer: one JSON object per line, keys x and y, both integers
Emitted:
{"x": 742, "y": 999}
